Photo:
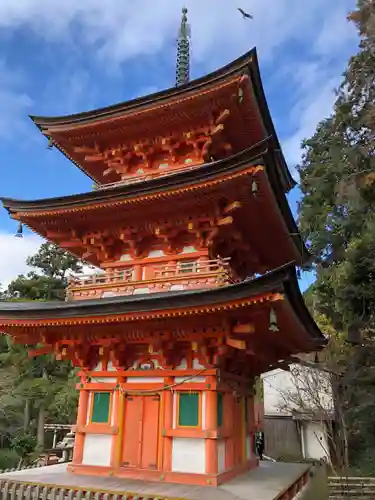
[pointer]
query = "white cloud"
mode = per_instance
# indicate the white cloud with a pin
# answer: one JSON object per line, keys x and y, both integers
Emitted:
{"x": 14, "y": 102}
{"x": 130, "y": 29}
{"x": 13, "y": 255}
{"x": 314, "y": 103}
{"x": 315, "y": 82}
{"x": 114, "y": 32}
{"x": 14, "y": 252}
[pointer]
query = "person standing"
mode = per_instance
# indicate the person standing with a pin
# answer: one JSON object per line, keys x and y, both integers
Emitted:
{"x": 260, "y": 444}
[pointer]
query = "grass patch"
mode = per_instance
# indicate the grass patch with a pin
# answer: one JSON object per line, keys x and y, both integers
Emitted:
{"x": 8, "y": 458}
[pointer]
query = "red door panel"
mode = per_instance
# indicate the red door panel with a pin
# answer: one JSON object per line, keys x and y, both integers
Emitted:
{"x": 149, "y": 455}
{"x": 132, "y": 431}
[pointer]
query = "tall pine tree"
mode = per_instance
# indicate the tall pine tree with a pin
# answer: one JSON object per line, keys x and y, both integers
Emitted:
{"x": 337, "y": 218}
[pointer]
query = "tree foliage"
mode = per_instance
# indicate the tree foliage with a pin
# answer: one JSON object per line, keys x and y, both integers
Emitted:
{"x": 49, "y": 283}
{"x": 337, "y": 218}
{"x": 34, "y": 391}
{"x": 337, "y": 173}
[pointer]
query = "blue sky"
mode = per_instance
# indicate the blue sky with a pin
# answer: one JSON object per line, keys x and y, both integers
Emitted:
{"x": 65, "y": 57}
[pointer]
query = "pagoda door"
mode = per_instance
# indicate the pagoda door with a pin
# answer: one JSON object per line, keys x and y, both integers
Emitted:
{"x": 141, "y": 432}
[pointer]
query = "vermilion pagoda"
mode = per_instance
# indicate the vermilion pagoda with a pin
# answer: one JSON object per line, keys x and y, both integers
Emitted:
{"x": 190, "y": 224}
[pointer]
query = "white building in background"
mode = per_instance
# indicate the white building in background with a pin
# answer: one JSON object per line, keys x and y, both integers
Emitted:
{"x": 298, "y": 413}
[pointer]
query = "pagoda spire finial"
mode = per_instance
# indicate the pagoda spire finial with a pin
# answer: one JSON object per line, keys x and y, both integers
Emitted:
{"x": 183, "y": 51}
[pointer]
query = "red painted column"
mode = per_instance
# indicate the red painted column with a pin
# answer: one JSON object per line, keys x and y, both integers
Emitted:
{"x": 229, "y": 426}
{"x": 137, "y": 276}
{"x": 167, "y": 425}
{"x": 83, "y": 405}
{"x": 211, "y": 424}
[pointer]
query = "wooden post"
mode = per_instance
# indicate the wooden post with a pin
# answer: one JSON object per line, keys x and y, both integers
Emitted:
{"x": 211, "y": 423}
{"x": 83, "y": 405}
{"x": 168, "y": 423}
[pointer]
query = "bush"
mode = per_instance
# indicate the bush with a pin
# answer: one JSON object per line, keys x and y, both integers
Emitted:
{"x": 8, "y": 458}
{"x": 23, "y": 443}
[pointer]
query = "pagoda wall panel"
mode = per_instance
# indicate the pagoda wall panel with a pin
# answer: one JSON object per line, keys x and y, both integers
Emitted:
{"x": 97, "y": 450}
{"x": 221, "y": 452}
{"x": 197, "y": 446}
{"x": 188, "y": 455}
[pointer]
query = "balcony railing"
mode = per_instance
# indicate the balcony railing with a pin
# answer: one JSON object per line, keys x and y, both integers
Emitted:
{"x": 101, "y": 278}
{"x": 146, "y": 177}
{"x": 208, "y": 273}
{"x": 193, "y": 267}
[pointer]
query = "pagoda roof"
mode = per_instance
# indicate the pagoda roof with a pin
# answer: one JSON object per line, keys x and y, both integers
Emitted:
{"x": 282, "y": 281}
{"x": 247, "y": 64}
{"x": 225, "y": 170}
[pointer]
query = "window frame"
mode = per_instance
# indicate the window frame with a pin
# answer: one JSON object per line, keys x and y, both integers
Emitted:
{"x": 192, "y": 262}
{"x": 199, "y": 423}
{"x": 92, "y": 402}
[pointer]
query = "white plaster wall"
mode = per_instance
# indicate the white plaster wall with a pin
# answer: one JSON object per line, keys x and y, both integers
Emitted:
{"x": 315, "y": 440}
{"x": 182, "y": 365}
{"x": 189, "y": 455}
{"x": 156, "y": 253}
{"x": 97, "y": 450}
{"x": 98, "y": 367}
{"x": 179, "y": 380}
{"x": 125, "y": 257}
{"x": 282, "y": 387}
{"x": 221, "y": 455}
{"x": 139, "y": 291}
{"x": 110, "y": 367}
{"x": 145, "y": 380}
{"x": 196, "y": 364}
{"x": 175, "y": 288}
{"x": 189, "y": 250}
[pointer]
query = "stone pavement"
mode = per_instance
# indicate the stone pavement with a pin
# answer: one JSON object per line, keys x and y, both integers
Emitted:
{"x": 265, "y": 482}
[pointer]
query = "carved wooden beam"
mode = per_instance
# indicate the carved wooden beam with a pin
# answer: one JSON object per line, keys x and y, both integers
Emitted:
{"x": 235, "y": 343}
{"x": 223, "y": 116}
{"x": 243, "y": 328}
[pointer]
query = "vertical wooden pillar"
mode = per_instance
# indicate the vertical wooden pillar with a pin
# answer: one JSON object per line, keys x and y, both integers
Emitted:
{"x": 138, "y": 269}
{"x": 211, "y": 424}
{"x": 251, "y": 423}
{"x": 244, "y": 428}
{"x": 229, "y": 427}
{"x": 115, "y": 460}
{"x": 167, "y": 425}
{"x": 79, "y": 441}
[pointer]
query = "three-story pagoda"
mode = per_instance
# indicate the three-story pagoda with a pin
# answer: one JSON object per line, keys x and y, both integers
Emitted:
{"x": 198, "y": 293}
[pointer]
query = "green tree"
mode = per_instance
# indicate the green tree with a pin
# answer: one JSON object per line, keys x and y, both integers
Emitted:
{"x": 36, "y": 390}
{"x": 50, "y": 282}
{"x": 337, "y": 218}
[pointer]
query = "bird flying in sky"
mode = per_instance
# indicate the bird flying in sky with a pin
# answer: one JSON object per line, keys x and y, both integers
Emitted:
{"x": 245, "y": 14}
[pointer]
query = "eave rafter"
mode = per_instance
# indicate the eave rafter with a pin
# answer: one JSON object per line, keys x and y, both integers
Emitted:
{"x": 215, "y": 344}
{"x": 117, "y": 157}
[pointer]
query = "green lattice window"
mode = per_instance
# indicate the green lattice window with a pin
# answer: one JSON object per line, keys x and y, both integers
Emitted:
{"x": 188, "y": 266}
{"x": 100, "y": 407}
{"x": 188, "y": 409}
{"x": 220, "y": 398}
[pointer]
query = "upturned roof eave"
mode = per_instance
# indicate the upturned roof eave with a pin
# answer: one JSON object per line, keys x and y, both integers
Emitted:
{"x": 256, "y": 155}
{"x": 207, "y": 171}
{"x": 248, "y": 62}
{"x": 236, "y": 66}
{"x": 281, "y": 280}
